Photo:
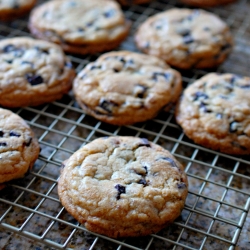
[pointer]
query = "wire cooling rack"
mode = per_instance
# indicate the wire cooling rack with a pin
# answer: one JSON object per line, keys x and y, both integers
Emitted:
{"x": 216, "y": 210}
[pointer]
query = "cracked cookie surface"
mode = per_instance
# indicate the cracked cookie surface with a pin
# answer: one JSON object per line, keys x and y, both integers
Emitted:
{"x": 11, "y": 9}
{"x": 126, "y": 87}
{"x": 80, "y": 26}
{"x": 185, "y": 38}
{"x": 123, "y": 186}
{"x": 214, "y": 111}
{"x": 19, "y": 148}
{"x": 32, "y": 72}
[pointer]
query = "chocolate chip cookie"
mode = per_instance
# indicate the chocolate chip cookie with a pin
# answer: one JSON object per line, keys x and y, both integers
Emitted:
{"x": 185, "y": 38}
{"x": 214, "y": 111}
{"x": 206, "y": 3}
{"x": 32, "y": 72}
{"x": 80, "y": 26}
{"x": 123, "y": 186}
{"x": 12, "y": 9}
{"x": 126, "y": 87}
{"x": 19, "y": 148}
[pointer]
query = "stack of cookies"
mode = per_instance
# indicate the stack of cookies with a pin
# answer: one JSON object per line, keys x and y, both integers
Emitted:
{"x": 121, "y": 186}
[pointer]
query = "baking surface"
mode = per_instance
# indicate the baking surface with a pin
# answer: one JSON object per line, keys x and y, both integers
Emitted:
{"x": 216, "y": 211}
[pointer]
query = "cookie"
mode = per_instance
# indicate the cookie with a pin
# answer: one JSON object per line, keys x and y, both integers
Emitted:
{"x": 12, "y": 9}
{"x": 131, "y": 2}
{"x": 206, "y": 3}
{"x": 123, "y": 186}
{"x": 80, "y": 26}
{"x": 185, "y": 38}
{"x": 32, "y": 72}
{"x": 126, "y": 87}
{"x": 19, "y": 147}
{"x": 214, "y": 112}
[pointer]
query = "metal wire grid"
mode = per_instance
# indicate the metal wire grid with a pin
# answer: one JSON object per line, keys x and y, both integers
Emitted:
{"x": 216, "y": 211}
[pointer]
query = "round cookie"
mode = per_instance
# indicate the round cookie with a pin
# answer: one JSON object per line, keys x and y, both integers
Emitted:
{"x": 214, "y": 111}
{"x": 32, "y": 72}
{"x": 123, "y": 186}
{"x": 126, "y": 87}
{"x": 206, "y": 3}
{"x": 80, "y": 26}
{"x": 12, "y": 9}
{"x": 19, "y": 148}
{"x": 185, "y": 38}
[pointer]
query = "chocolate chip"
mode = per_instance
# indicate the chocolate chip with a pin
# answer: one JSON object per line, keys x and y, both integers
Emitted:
{"x": 9, "y": 61}
{"x": 116, "y": 70}
{"x": 199, "y": 95}
{"x": 143, "y": 182}
{"x": 226, "y": 47}
{"x": 206, "y": 29}
{"x": 27, "y": 62}
{"x": 107, "y": 105}
{"x": 121, "y": 190}
{"x": 188, "y": 39}
{"x": 121, "y": 59}
{"x": 203, "y": 107}
{"x": 164, "y": 74}
{"x": 94, "y": 67}
{"x": 13, "y": 133}
{"x": 144, "y": 143}
{"x": 229, "y": 85}
{"x": 34, "y": 79}
{"x": 129, "y": 62}
{"x": 233, "y": 79}
{"x": 141, "y": 172}
{"x": 89, "y": 24}
{"x": 171, "y": 161}
{"x": 42, "y": 50}
{"x": 18, "y": 53}
{"x": 183, "y": 31}
{"x": 3, "y": 144}
{"x": 1, "y": 133}
{"x": 27, "y": 144}
{"x": 140, "y": 90}
{"x": 181, "y": 185}
{"x": 80, "y": 29}
{"x": 233, "y": 127}
{"x": 8, "y": 48}
{"x": 109, "y": 13}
